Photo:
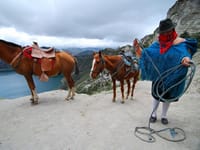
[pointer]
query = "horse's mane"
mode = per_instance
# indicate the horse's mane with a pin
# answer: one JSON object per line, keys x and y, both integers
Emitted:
{"x": 10, "y": 43}
{"x": 112, "y": 56}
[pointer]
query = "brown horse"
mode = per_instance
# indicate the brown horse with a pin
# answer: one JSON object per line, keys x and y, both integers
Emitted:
{"x": 118, "y": 71}
{"x": 64, "y": 63}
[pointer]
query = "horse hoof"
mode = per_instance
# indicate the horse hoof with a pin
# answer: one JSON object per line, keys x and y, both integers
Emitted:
{"x": 32, "y": 100}
{"x": 67, "y": 98}
{"x": 34, "y": 103}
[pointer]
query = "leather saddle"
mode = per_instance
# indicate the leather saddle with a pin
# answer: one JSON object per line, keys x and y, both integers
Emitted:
{"x": 130, "y": 62}
{"x": 46, "y": 58}
{"x": 38, "y": 52}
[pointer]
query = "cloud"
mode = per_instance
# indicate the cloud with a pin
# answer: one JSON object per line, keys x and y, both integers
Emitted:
{"x": 53, "y": 41}
{"x": 80, "y": 22}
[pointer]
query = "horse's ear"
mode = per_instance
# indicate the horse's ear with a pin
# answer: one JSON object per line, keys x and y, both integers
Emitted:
{"x": 100, "y": 53}
{"x": 137, "y": 47}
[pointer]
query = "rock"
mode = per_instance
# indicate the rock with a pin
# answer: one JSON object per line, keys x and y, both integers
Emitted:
{"x": 186, "y": 15}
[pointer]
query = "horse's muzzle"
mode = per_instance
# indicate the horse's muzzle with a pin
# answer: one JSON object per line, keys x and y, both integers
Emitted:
{"x": 93, "y": 75}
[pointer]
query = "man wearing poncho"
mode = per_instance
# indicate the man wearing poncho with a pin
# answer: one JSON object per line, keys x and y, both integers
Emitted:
{"x": 169, "y": 51}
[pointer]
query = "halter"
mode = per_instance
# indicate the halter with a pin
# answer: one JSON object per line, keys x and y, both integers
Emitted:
{"x": 102, "y": 61}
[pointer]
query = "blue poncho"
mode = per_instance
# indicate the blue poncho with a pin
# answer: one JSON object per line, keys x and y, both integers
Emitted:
{"x": 152, "y": 63}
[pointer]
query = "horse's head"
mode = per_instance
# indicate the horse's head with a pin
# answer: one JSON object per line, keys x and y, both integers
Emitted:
{"x": 137, "y": 47}
{"x": 97, "y": 64}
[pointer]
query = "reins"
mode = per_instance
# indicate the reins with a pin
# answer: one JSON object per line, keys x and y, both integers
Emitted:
{"x": 177, "y": 134}
{"x": 119, "y": 66}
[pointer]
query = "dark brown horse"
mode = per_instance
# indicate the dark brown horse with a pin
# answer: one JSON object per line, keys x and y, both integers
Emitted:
{"x": 64, "y": 63}
{"x": 118, "y": 71}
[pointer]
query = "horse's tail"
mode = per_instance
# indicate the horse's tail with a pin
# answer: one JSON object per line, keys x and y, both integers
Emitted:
{"x": 76, "y": 66}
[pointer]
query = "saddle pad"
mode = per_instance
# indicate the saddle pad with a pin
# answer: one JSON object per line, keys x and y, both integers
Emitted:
{"x": 27, "y": 52}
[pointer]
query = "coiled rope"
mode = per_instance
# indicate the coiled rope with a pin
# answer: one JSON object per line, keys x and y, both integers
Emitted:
{"x": 174, "y": 134}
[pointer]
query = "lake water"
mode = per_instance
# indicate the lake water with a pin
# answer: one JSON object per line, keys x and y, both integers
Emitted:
{"x": 13, "y": 85}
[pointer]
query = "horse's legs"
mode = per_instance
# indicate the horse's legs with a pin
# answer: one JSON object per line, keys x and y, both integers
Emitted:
{"x": 114, "y": 90}
{"x": 135, "y": 79}
{"x": 34, "y": 98}
{"x": 122, "y": 90}
{"x": 128, "y": 90}
{"x": 71, "y": 92}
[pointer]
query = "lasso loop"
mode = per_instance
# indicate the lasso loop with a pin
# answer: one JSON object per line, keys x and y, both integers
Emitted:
{"x": 186, "y": 80}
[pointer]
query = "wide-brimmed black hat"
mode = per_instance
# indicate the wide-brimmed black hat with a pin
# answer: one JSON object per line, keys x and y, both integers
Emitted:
{"x": 166, "y": 25}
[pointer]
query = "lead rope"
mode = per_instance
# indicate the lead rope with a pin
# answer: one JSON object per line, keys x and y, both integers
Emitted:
{"x": 175, "y": 134}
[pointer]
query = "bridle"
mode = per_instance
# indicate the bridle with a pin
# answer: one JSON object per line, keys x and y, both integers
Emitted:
{"x": 98, "y": 69}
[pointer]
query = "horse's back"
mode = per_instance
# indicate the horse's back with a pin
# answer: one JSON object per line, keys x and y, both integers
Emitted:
{"x": 64, "y": 56}
{"x": 65, "y": 60}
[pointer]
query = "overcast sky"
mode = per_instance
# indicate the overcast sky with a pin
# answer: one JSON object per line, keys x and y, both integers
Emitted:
{"x": 80, "y": 23}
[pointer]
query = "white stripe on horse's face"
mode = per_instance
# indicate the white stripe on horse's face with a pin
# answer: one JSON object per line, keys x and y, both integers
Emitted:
{"x": 93, "y": 62}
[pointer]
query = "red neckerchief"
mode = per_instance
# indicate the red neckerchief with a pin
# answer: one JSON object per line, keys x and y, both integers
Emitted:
{"x": 166, "y": 41}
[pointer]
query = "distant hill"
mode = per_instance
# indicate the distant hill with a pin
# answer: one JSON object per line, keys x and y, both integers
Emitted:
{"x": 75, "y": 51}
{"x": 84, "y": 53}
